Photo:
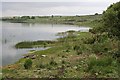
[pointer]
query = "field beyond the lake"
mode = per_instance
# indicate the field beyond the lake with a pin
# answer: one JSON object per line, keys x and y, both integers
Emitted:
{"x": 88, "y": 20}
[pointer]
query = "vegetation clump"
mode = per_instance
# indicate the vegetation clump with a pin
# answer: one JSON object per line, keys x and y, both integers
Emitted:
{"x": 111, "y": 20}
{"x": 103, "y": 66}
{"x": 31, "y": 44}
{"x": 28, "y": 64}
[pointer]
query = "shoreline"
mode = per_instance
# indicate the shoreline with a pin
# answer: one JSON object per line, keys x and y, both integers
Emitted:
{"x": 88, "y": 20}
{"x": 27, "y": 21}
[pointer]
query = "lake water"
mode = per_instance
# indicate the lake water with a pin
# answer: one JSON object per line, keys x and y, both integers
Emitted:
{"x": 13, "y": 33}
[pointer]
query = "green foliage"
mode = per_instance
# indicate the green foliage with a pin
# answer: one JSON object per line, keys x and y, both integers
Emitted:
{"x": 97, "y": 29}
{"x": 111, "y": 20}
{"x": 102, "y": 37}
{"x": 96, "y": 38}
{"x": 99, "y": 48}
{"x": 28, "y": 64}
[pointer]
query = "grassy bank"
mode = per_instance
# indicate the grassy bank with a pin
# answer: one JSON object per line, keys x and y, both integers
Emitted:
{"x": 78, "y": 55}
{"x": 32, "y": 44}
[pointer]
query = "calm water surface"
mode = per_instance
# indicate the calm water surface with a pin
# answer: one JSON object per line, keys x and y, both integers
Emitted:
{"x": 13, "y": 33}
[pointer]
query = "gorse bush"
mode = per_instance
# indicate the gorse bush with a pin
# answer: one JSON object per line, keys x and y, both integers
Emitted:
{"x": 28, "y": 64}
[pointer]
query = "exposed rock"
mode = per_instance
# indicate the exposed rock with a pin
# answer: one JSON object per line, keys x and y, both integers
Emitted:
{"x": 30, "y": 56}
{"x": 33, "y": 57}
{"x": 43, "y": 55}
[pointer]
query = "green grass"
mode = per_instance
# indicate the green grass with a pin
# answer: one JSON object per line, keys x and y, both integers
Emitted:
{"x": 104, "y": 66}
{"x": 31, "y": 44}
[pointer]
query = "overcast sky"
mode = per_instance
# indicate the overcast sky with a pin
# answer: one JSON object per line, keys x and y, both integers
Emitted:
{"x": 35, "y": 8}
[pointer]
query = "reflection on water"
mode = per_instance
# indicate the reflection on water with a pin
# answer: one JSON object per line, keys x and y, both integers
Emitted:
{"x": 13, "y": 33}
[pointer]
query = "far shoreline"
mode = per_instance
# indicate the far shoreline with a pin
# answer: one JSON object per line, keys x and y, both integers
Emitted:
{"x": 85, "y": 20}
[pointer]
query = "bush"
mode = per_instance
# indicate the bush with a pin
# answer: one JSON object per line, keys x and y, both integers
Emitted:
{"x": 89, "y": 40}
{"x": 96, "y": 14}
{"x": 111, "y": 20}
{"x": 33, "y": 17}
{"x": 28, "y": 64}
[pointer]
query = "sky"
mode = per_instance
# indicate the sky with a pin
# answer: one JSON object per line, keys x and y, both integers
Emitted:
{"x": 60, "y": 7}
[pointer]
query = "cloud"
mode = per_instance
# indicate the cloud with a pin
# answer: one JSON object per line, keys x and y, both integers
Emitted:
{"x": 52, "y": 8}
{"x": 60, "y": 1}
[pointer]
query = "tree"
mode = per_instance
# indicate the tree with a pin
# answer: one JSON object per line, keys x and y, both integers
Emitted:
{"x": 96, "y": 13}
{"x": 33, "y": 17}
{"x": 25, "y": 17}
{"x": 52, "y": 16}
{"x": 111, "y": 20}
